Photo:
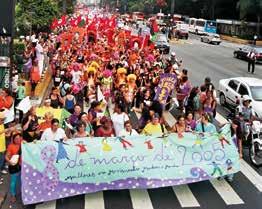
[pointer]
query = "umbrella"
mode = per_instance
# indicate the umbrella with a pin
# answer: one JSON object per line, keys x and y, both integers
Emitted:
{"x": 60, "y": 114}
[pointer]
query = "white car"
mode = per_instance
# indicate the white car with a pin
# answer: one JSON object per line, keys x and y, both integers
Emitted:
{"x": 211, "y": 38}
{"x": 231, "y": 91}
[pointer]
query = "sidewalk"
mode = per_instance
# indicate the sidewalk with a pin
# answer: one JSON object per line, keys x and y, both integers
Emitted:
{"x": 41, "y": 88}
{"x": 239, "y": 40}
{"x": 41, "y": 91}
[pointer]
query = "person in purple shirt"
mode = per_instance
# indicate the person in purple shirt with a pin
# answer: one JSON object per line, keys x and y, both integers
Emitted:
{"x": 190, "y": 122}
{"x": 74, "y": 118}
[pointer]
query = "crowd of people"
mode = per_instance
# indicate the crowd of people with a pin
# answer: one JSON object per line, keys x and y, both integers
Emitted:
{"x": 126, "y": 76}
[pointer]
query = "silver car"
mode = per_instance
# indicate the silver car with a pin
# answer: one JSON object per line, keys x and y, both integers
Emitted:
{"x": 211, "y": 38}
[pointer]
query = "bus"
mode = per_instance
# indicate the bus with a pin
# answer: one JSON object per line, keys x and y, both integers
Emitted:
{"x": 201, "y": 26}
{"x": 192, "y": 25}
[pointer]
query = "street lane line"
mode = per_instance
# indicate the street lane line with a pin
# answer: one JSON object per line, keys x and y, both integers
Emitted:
{"x": 185, "y": 196}
{"x": 140, "y": 199}
{"x": 225, "y": 191}
{"x": 47, "y": 205}
{"x": 94, "y": 201}
{"x": 245, "y": 168}
{"x": 169, "y": 118}
{"x": 251, "y": 174}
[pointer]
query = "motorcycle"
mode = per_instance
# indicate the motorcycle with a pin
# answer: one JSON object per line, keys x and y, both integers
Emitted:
{"x": 255, "y": 150}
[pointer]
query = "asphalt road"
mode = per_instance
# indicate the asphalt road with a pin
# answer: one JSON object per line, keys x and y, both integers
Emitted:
{"x": 245, "y": 192}
{"x": 215, "y": 61}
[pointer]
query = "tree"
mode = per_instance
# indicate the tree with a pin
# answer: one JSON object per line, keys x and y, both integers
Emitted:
{"x": 35, "y": 14}
{"x": 251, "y": 8}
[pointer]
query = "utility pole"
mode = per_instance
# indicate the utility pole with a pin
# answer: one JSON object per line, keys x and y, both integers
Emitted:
{"x": 172, "y": 8}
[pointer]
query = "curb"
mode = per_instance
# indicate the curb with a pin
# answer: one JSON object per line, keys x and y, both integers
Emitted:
{"x": 239, "y": 40}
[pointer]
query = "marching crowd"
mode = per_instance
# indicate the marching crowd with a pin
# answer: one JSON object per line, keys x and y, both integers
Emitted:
{"x": 126, "y": 76}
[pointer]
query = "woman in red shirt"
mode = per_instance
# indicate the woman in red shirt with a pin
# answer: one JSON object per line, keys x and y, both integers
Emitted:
{"x": 106, "y": 129}
{"x": 6, "y": 100}
{"x": 13, "y": 158}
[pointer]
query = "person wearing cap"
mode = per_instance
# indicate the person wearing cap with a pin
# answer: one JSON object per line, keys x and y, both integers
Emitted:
{"x": 154, "y": 127}
{"x": 245, "y": 110}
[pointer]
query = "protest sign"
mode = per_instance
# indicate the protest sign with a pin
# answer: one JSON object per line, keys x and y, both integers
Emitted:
{"x": 57, "y": 169}
{"x": 165, "y": 88}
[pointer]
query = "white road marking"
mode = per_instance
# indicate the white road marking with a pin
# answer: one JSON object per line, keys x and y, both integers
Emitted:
{"x": 140, "y": 199}
{"x": 220, "y": 118}
{"x": 245, "y": 168}
{"x": 185, "y": 196}
{"x": 47, "y": 205}
{"x": 94, "y": 201}
{"x": 226, "y": 192}
{"x": 251, "y": 174}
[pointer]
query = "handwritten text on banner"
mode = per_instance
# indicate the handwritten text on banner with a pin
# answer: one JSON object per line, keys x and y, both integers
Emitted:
{"x": 56, "y": 169}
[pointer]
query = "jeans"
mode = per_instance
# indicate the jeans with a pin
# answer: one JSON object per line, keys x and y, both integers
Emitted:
{"x": 2, "y": 160}
{"x": 14, "y": 181}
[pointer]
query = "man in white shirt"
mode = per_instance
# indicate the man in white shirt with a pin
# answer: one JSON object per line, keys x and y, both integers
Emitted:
{"x": 119, "y": 117}
{"x": 251, "y": 56}
{"x": 128, "y": 131}
{"x": 40, "y": 56}
{"x": 54, "y": 133}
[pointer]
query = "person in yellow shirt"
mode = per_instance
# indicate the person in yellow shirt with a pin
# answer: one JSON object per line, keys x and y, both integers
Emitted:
{"x": 154, "y": 127}
{"x": 3, "y": 131}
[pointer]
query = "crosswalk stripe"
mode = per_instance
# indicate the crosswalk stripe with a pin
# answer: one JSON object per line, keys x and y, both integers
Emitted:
{"x": 219, "y": 118}
{"x": 226, "y": 192}
{"x": 245, "y": 168}
{"x": 94, "y": 201}
{"x": 251, "y": 174}
{"x": 47, "y": 205}
{"x": 185, "y": 197}
{"x": 140, "y": 199}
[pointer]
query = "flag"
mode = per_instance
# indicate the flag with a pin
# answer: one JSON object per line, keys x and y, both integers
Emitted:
{"x": 145, "y": 40}
{"x": 62, "y": 21}
{"x": 75, "y": 21}
{"x": 54, "y": 24}
{"x": 154, "y": 26}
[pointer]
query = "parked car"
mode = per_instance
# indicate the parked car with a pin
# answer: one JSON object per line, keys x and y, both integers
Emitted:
{"x": 181, "y": 31}
{"x": 242, "y": 52}
{"x": 162, "y": 44}
{"x": 231, "y": 91}
{"x": 211, "y": 38}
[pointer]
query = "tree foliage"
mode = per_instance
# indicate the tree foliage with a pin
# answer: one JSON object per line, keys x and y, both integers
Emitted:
{"x": 35, "y": 14}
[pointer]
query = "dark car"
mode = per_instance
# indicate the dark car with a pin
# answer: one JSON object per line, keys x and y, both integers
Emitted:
{"x": 242, "y": 52}
{"x": 162, "y": 44}
{"x": 181, "y": 31}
